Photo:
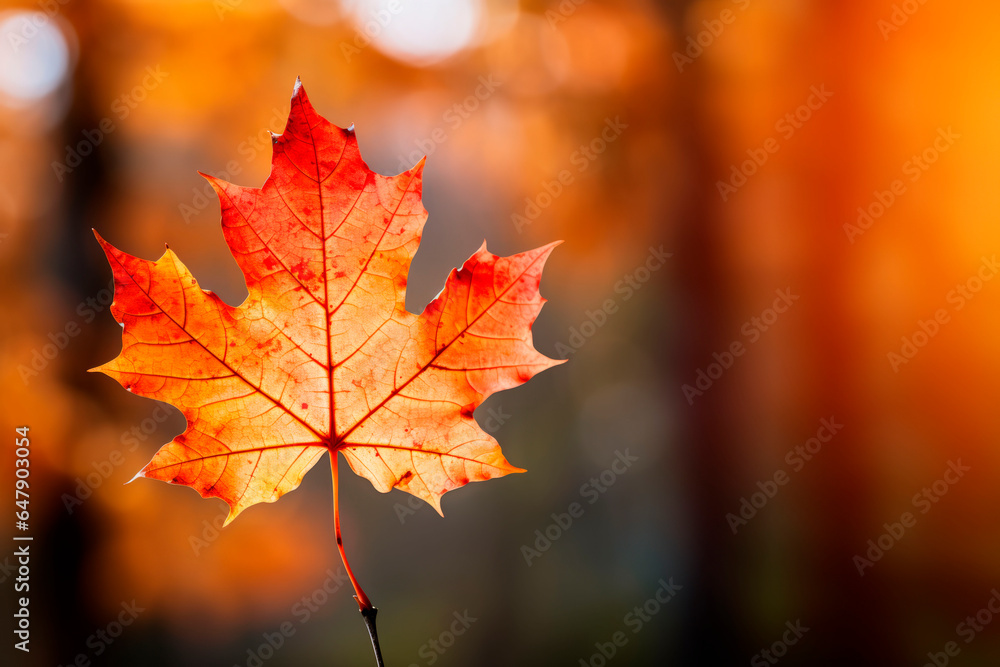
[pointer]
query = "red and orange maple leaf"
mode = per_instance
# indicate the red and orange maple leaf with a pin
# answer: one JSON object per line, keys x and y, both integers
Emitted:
{"x": 323, "y": 356}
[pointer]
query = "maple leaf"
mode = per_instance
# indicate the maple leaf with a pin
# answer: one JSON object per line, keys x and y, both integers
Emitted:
{"x": 323, "y": 356}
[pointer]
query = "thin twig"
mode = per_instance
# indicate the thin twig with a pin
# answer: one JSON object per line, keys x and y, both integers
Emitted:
{"x": 368, "y": 610}
{"x": 368, "y": 613}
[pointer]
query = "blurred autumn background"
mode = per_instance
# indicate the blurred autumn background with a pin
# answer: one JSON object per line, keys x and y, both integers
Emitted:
{"x": 741, "y": 137}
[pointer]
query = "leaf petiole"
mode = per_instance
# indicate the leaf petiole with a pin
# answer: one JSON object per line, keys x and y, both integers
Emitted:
{"x": 368, "y": 610}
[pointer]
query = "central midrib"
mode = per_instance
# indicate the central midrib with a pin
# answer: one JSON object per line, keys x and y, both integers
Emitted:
{"x": 328, "y": 440}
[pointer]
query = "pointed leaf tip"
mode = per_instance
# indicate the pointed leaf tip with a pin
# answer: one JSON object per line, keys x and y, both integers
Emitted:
{"x": 231, "y": 516}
